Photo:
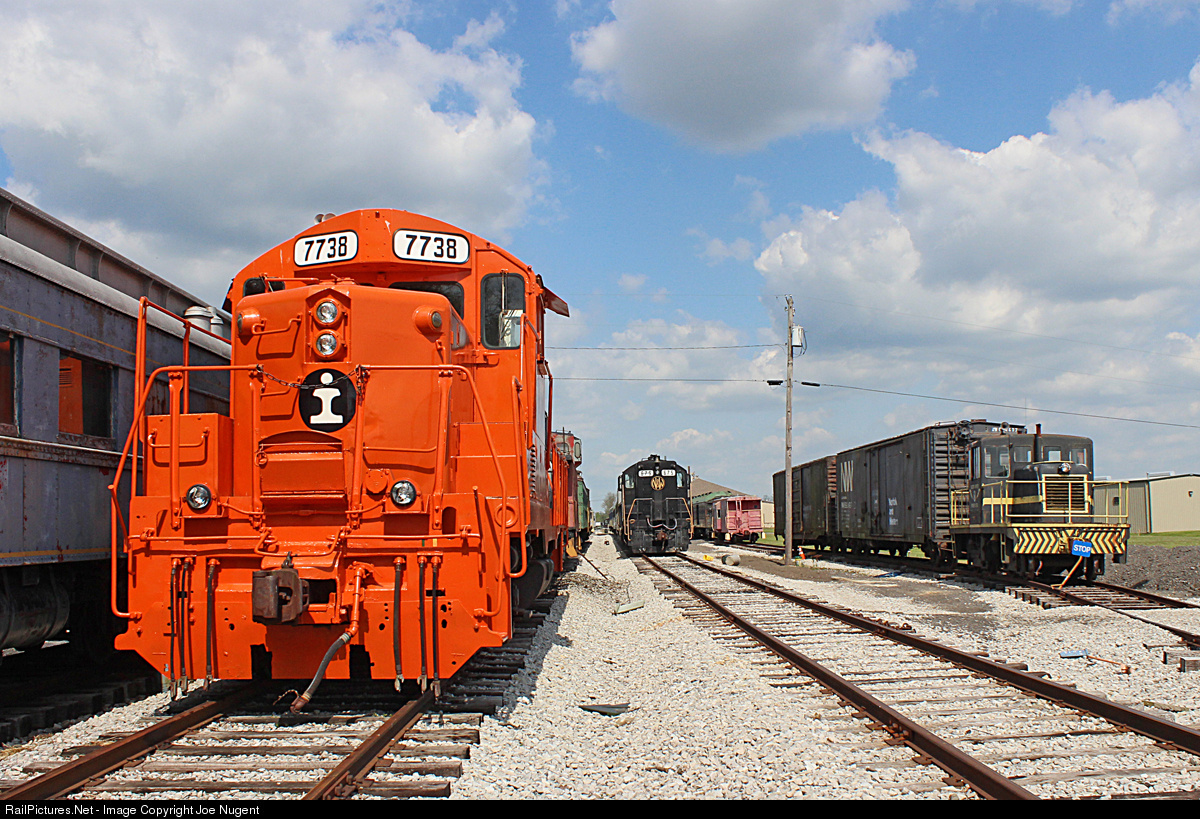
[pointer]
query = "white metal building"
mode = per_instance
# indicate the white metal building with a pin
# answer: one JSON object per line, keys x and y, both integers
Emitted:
{"x": 1158, "y": 503}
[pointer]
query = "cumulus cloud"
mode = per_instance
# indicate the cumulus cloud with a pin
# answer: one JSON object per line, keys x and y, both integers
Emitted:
{"x": 1078, "y": 243}
{"x": 736, "y": 76}
{"x": 230, "y": 124}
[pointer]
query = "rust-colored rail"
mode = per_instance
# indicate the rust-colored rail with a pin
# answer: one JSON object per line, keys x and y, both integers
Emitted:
{"x": 1188, "y": 637}
{"x": 345, "y": 779}
{"x": 979, "y": 777}
{"x": 1179, "y": 736}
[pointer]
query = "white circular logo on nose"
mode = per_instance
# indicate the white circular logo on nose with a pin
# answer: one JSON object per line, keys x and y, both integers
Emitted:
{"x": 327, "y": 400}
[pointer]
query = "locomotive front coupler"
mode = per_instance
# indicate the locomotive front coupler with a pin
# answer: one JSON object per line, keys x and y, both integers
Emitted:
{"x": 278, "y": 595}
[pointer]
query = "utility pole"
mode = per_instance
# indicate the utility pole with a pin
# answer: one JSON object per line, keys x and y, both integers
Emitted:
{"x": 787, "y": 458}
{"x": 795, "y": 339}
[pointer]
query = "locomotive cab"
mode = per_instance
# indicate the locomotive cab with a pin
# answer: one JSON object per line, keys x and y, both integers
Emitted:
{"x": 1031, "y": 479}
{"x": 1032, "y": 507}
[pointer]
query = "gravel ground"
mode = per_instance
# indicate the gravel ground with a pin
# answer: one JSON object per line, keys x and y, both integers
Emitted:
{"x": 702, "y": 722}
{"x": 1173, "y": 571}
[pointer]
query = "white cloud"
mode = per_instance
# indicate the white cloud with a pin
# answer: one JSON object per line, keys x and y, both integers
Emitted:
{"x": 230, "y": 124}
{"x": 631, "y": 282}
{"x": 736, "y": 76}
{"x": 1172, "y": 10}
{"x": 1080, "y": 243}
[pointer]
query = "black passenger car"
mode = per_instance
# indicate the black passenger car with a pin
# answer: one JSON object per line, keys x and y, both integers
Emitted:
{"x": 652, "y": 511}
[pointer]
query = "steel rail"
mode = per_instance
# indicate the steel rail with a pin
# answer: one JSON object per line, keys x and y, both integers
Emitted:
{"x": 74, "y": 775}
{"x": 983, "y": 780}
{"x": 1188, "y": 637}
{"x": 970, "y": 572}
{"x": 1167, "y": 602}
{"x": 1180, "y": 737}
{"x": 344, "y": 780}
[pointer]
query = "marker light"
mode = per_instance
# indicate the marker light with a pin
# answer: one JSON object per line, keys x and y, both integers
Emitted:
{"x": 327, "y": 344}
{"x": 199, "y": 497}
{"x": 403, "y": 493}
{"x": 327, "y": 312}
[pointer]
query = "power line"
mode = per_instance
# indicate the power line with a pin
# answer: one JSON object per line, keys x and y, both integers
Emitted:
{"x": 718, "y": 347}
{"x": 777, "y": 382}
{"x": 667, "y": 380}
{"x": 1004, "y": 406}
{"x": 669, "y": 295}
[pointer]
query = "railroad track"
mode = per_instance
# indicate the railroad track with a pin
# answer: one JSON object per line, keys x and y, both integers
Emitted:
{"x": 45, "y": 687}
{"x": 353, "y": 739}
{"x": 1120, "y": 599}
{"x": 1005, "y": 732}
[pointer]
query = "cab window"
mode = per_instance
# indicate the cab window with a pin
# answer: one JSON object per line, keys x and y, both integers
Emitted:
{"x": 995, "y": 461}
{"x": 453, "y": 291}
{"x": 503, "y": 299}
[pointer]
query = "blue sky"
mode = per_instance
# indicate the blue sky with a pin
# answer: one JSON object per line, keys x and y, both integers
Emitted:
{"x": 995, "y": 202}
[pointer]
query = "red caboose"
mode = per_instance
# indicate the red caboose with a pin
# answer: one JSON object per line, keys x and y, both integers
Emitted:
{"x": 382, "y": 482}
{"x": 738, "y": 518}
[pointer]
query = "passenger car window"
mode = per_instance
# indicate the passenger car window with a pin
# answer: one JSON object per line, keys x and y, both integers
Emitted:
{"x": 8, "y": 395}
{"x": 503, "y": 308}
{"x": 84, "y": 396}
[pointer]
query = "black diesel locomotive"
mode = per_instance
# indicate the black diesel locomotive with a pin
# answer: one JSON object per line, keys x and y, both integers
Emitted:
{"x": 652, "y": 514}
{"x": 991, "y": 494}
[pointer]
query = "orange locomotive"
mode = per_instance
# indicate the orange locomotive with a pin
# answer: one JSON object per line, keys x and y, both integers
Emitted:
{"x": 380, "y": 499}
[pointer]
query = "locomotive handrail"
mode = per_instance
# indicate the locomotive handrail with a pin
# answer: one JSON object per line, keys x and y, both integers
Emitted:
{"x": 997, "y": 499}
{"x": 175, "y": 372}
{"x": 135, "y": 434}
{"x": 487, "y": 434}
{"x": 139, "y": 358}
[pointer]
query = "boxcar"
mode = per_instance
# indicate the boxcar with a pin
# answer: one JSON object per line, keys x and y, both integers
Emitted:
{"x": 990, "y": 493}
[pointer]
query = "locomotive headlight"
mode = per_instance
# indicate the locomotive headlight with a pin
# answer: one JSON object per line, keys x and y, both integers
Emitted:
{"x": 327, "y": 344}
{"x": 1064, "y": 468}
{"x": 198, "y": 497}
{"x": 403, "y": 493}
{"x": 327, "y": 312}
